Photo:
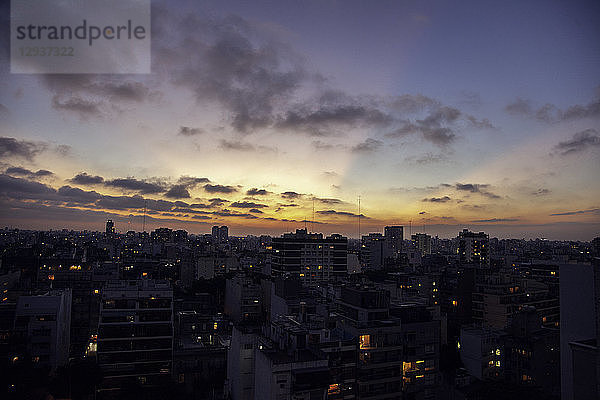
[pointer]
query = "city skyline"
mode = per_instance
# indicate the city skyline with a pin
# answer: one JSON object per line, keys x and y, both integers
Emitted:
{"x": 261, "y": 117}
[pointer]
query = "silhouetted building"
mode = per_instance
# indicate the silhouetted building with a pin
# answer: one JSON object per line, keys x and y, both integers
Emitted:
{"x": 310, "y": 256}
{"x": 422, "y": 243}
{"x": 473, "y": 247}
{"x": 220, "y": 234}
{"x": 373, "y": 251}
{"x": 135, "y": 334}
{"x": 163, "y": 235}
{"x": 394, "y": 236}
{"x": 42, "y": 327}
{"x": 110, "y": 227}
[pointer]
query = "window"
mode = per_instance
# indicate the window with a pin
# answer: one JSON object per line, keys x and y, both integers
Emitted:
{"x": 365, "y": 341}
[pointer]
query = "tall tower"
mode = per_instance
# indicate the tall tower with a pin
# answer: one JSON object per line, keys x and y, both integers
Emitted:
{"x": 394, "y": 235}
{"x": 110, "y": 227}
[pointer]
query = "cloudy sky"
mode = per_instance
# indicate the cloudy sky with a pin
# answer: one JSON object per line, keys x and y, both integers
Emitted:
{"x": 477, "y": 114}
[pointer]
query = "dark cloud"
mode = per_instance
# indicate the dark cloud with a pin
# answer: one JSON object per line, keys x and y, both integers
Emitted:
{"x": 237, "y": 145}
{"x": 178, "y": 192}
{"x": 291, "y": 195}
{"x": 201, "y": 217}
{"x": 477, "y": 188}
{"x": 184, "y": 184}
{"x": 188, "y": 131}
{"x": 229, "y": 61}
{"x": 590, "y": 211}
{"x": 322, "y": 146}
{"x": 440, "y": 124}
{"x": 78, "y": 195}
{"x": 89, "y": 95}
{"x": 257, "y": 192}
{"x": 229, "y": 213}
{"x": 327, "y": 117}
{"x": 216, "y": 202}
{"x": 413, "y": 104}
{"x": 426, "y": 159}
{"x": 328, "y": 201}
{"x": 20, "y": 171}
{"x": 444, "y": 199}
{"x": 11, "y": 147}
{"x": 541, "y": 192}
{"x": 341, "y": 213}
{"x": 497, "y": 220}
{"x": 134, "y": 202}
{"x": 219, "y": 189}
{"x": 19, "y": 188}
{"x": 82, "y": 107}
{"x": 368, "y": 146}
{"x": 85, "y": 179}
{"x": 581, "y": 141}
{"x": 550, "y": 113}
{"x": 470, "y": 187}
{"x": 191, "y": 182}
{"x": 247, "y": 204}
{"x": 255, "y": 210}
{"x": 133, "y": 184}
{"x": 519, "y": 107}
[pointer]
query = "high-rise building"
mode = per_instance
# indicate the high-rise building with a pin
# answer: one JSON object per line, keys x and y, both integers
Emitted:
{"x": 164, "y": 235}
{"x": 473, "y": 247}
{"x": 110, "y": 227}
{"x": 220, "y": 234}
{"x": 422, "y": 242}
{"x": 310, "y": 256}
{"x": 394, "y": 235}
{"x": 42, "y": 327}
{"x": 135, "y": 334}
{"x": 373, "y": 251}
{"x": 398, "y": 344}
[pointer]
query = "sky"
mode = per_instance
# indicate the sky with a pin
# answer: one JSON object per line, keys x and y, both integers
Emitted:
{"x": 272, "y": 116}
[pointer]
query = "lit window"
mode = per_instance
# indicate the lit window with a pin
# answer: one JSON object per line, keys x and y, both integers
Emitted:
{"x": 365, "y": 341}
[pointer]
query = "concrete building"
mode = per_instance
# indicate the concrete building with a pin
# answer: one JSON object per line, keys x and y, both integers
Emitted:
{"x": 240, "y": 362}
{"x": 220, "y": 234}
{"x": 110, "y": 227}
{"x": 398, "y": 345}
{"x": 394, "y": 236}
{"x": 310, "y": 256}
{"x": 422, "y": 243}
{"x": 243, "y": 298}
{"x": 42, "y": 327}
{"x": 474, "y": 247}
{"x": 373, "y": 251}
{"x": 499, "y": 296}
{"x": 135, "y": 334}
{"x": 577, "y": 324}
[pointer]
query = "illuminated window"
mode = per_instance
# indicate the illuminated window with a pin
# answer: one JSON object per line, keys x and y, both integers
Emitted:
{"x": 497, "y": 352}
{"x": 215, "y": 326}
{"x": 498, "y": 363}
{"x": 334, "y": 388}
{"x": 365, "y": 341}
{"x": 408, "y": 366}
{"x": 454, "y": 303}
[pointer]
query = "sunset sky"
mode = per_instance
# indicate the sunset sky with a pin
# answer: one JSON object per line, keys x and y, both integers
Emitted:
{"x": 476, "y": 114}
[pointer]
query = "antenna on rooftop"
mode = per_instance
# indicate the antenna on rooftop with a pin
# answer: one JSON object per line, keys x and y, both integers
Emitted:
{"x": 144, "y": 223}
{"x": 359, "y": 217}
{"x": 313, "y": 219}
